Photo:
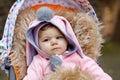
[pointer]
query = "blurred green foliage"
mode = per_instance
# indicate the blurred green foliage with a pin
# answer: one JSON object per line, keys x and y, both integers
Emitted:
{"x": 110, "y": 58}
{"x": 111, "y": 47}
{"x": 3, "y": 76}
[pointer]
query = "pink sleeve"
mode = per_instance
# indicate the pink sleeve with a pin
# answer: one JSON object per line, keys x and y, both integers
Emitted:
{"x": 94, "y": 69}
{"x": 34, "y": 71}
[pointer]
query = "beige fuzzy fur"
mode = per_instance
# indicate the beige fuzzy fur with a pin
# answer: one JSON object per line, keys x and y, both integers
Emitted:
{"x": 68, "y": 74}
{"x": 85, "y": 28}
{"x": 19, "y": 46}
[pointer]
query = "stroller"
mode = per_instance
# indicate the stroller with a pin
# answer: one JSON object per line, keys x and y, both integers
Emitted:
{"x": 22, "y": 12}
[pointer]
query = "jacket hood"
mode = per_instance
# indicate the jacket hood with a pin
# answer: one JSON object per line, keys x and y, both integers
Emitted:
{"x": 59, "y": 22}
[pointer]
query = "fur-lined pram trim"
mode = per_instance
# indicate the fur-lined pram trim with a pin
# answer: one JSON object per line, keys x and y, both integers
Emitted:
{"x": 85, "y": 28}
{"x": 69, "y": 74}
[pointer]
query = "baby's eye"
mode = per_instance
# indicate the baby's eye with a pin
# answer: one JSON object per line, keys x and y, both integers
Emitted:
{"x": 45, "y": 40}
{"x": 59, "y": 37}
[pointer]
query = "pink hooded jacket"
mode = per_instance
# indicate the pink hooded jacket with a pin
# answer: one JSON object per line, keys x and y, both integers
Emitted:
{"x": 39, "y": 64}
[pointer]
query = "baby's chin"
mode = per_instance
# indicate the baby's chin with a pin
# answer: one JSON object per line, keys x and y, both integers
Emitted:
{"x": 57, "y": 53}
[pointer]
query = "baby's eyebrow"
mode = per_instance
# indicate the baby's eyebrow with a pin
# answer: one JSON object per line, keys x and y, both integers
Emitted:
{"x": 44, "y": 37}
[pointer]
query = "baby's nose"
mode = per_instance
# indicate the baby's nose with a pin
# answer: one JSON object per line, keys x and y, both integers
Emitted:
{"x": 54, "y": 42}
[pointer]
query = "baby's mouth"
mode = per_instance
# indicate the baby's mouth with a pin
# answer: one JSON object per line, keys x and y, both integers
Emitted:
{"x": 56, "y": 48}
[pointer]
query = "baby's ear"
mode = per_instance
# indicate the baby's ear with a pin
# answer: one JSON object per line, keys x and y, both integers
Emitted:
{"x": 44, "y": 14}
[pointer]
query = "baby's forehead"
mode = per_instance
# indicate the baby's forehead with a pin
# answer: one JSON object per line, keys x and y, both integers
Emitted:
{"x": 50, "y": 31}
{"x": 49, "y": 27}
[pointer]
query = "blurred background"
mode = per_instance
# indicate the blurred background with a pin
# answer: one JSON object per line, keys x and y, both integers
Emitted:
{"x": 108, "y": 12}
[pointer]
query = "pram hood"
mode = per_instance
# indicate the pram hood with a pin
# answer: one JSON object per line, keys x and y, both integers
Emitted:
{"x": 6, "y": 42}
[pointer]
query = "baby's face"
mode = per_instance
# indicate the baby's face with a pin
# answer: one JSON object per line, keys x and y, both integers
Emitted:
{"x": 52, "y": 41}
